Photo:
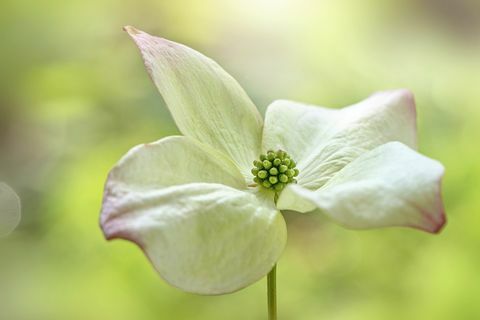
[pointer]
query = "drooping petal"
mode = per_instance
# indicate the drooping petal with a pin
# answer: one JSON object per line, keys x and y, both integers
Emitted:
{"x": 323, "y": 141}
{"x": 202, "y": 238}
{"x": 205, "y": 101}
{"x": 391, "y": 185}
{"x": 9, "y": 209}
{"x": 172, "y": 161}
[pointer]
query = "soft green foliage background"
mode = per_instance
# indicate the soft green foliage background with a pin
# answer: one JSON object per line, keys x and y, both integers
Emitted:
{"x": 74, "y": 97}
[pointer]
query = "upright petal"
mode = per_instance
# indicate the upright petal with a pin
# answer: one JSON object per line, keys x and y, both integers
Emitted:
{"x": 202, "y": 238}
{"x": 205, "y": 101}
{"x": 323, "y": 141}
{"x": 391, "y": 185}
{"x": 9, "y": 209}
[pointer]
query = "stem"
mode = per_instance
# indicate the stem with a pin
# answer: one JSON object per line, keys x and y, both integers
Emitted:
{"x": 272, "y": 293}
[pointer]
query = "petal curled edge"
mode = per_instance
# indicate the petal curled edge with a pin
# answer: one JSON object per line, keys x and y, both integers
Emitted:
{"x": 205, "y": 101}
{"x": 391, "y": 185}
{"x": 172, "y": 161}
{"x": 202, "y": 238}
{"x": 323, "y": 140}
{"x": 10, "y": 210}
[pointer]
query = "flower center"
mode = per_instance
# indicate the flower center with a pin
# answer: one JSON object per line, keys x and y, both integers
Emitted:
{"x": 274, "y": 170}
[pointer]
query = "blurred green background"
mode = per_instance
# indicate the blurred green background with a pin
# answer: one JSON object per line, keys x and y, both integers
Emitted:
{"x": 74, "y": 97}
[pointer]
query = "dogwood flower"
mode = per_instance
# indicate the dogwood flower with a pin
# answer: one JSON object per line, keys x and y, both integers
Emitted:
{"x": 9, "y": 210}
{"x": 205, "y": 207}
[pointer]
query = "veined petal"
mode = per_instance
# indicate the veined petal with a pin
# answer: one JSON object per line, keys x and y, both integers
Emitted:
{"x": 323, "y": 141}
{"x": 202, "y": 238}
{"x": 391, "y": 185}
{"x": 9, "y": 209}
{"x": 172, "y": 161}
{"x": 205, "y": 101}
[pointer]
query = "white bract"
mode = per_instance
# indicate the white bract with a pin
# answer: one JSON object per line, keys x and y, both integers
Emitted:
{"x": 190, "y": 202}
{"x": 9, "y": 209}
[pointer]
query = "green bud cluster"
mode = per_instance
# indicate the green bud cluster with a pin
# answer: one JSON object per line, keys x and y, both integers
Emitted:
{"x": 274, "y": 170}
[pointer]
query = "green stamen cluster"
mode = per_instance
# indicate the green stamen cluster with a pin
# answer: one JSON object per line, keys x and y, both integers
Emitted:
{"x": 274, "y": 170}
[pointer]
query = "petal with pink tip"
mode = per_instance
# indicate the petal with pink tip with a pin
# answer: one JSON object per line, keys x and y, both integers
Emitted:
{"x": 206, "y": 103}
{"x": 201, "y": 237}
{"x": 392, "y": 185}
{"x": 179, "y": 201}
{"x": 322, "y": 141}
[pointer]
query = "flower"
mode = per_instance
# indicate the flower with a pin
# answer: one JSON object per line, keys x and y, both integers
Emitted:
{"x": 9, "y": 210}
{"x": 204, "y": 207}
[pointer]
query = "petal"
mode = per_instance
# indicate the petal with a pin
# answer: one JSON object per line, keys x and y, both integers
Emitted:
{"x": 296, "y": 127}
{"x": 172, "y": 161}
{"x": 391, "y": 185}
{"x": 9, "y": 209}
{"x": 205, "y": 101}
{"x": 202, "y": 238}
{"x": 323, "y": 141}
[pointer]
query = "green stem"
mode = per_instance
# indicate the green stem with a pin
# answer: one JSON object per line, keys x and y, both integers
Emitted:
{"x": 272, "y": 294}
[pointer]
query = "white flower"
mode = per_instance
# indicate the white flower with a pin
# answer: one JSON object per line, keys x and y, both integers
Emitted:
{"x": 190, "y": 201}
